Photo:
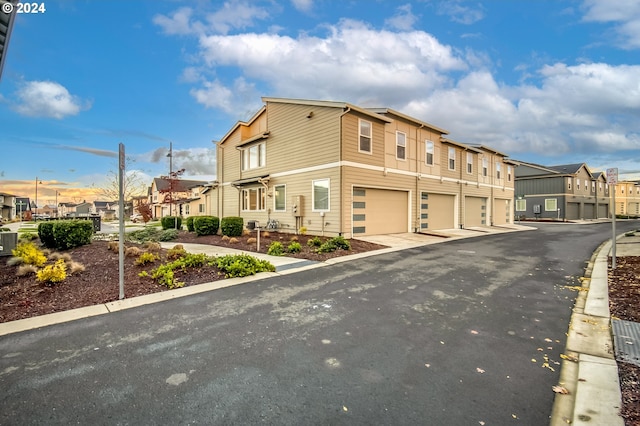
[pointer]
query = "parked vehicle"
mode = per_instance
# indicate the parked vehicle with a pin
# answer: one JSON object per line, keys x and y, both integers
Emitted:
{"x": 136, "y": 217}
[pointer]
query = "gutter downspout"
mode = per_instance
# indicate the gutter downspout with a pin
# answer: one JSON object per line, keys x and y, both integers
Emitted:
{"x": 416, "y": 226}
{"x": 340, "y": 219}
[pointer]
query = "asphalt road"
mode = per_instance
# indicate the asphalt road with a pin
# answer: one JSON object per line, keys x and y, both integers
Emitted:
{"x": 461, "y": 333}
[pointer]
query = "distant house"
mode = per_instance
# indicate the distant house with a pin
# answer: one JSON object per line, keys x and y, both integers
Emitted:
{"x": 628, "y": 198}
{"x": 168, "y": 201}
{"x": 106, "y": 209}
{"x": 564, "y": 192}
{"x": 67, "y": 209}
{"x": 7, "y": 206}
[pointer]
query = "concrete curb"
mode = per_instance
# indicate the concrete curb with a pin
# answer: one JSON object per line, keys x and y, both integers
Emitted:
{"x": 589, "y": 372}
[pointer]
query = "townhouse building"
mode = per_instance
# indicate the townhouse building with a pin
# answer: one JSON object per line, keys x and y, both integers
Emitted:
{"x": 172, "y": 197}
{"x": 563, "y": 192}
{"x": 627, "y": 198}
{"x": 335, "y": 168}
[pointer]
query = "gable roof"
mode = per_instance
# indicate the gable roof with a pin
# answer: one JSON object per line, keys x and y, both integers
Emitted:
{"x": 328, "y": 104}
{"x": 392, "y": 112}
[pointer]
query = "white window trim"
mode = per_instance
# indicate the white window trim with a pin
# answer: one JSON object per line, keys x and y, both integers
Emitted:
{"x": 398, "y": 133}
{"x": 498, "y": 170}
{"x": 569, "y": 183}
{"x": 469, "y": 163}
{"x": 451, "y": 157}
{"x": 555, "y": 202}
{"x": 260, "y": 196}
{"x": 370, "y": 136}
{"x": 313, "y": 195}
{"x": 245, "y": 156}
{"x": 509, "y": 172}
{"x": 518, "y": 205}
{"x": 275, "y": 209}
{"x": 428, "y": 143}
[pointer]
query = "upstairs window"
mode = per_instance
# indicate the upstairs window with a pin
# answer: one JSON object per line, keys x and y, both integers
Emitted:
{"x": 452, "y": 158}
{"x": 586, "y": 185}
{"x": 469, "y": 162}
{"x": 254, "y": 156}
{"x": 401, "y": 146}
{"x": 569, "y": 183}
{"x": 509, "y": 171}
{"x": 498, "y": 170}
{"x": 578, "y": 184}
{"x": 485, "y": 167}
{"x": 429, "y": 150}
{"x": 365, "y": 137}
{"x": 593, "y": 186}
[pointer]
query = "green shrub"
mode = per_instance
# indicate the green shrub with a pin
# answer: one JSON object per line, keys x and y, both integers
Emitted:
{"x": 169, "y": 222}
{"x": 242, "y": 265}
{"x": 275, "y": 249}
{"x": 27, "y": 236}
{"x": 29, "y": 254}
{"x": 147, "y": 234}
{"x": 334, "y": 244}
{"x": 5, "y": 229}
{"x": 53, "y": 273}
{"x": 190, "y": 223}
{"x": 232, "y": 226}
{"x": 314, "y": 242}
{"x": 206, "y": 225}
{"x": 165, "y": 274}
{"x": 72, "y": 233}
{"x": 146, "y": 258}
{"x": 176, "y": 253}
{"x": 341, "y": 243}
{"x": 326, "y": 247}
{"x": 45, "y": 232}
{"x": 168, "y": 235}
{"x": 294, "y": 247}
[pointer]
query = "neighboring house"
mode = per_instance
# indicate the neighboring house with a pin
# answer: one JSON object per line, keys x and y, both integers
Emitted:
{"x": 52, "y": 211}
{"x": 340, "y": 169}
{"x": 7, "y": 206}
{"x": 167, "y": 201}
{"x": 200, "y": 200}
{"x": 106, "y": 209}
{"x": 628, "y": 198}
{"x": 82, "y": 210}
{"x": 67, "y": 209}
{"x": 564, "y": 192}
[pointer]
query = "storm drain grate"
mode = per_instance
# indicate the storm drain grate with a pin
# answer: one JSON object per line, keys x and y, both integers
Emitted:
{"x": 626, "y": 340}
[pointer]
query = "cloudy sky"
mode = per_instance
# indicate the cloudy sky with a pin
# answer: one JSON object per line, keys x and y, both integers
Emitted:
{"x": 549, "y": 82}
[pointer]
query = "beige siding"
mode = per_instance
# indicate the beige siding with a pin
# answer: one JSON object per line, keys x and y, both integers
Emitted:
{"x": 351, "y": 140}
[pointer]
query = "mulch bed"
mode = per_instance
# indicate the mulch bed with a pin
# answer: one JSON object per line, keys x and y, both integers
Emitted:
{"x": 624, "y": 303}
{"x": 25, "y": 297}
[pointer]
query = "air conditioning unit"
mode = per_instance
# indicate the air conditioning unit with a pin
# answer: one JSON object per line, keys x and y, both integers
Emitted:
{"x": 8, "y": 242}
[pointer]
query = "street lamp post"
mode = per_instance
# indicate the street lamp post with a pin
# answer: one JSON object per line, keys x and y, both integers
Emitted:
{"x": 36, "y": 213}
{"x": 57, "y": 193}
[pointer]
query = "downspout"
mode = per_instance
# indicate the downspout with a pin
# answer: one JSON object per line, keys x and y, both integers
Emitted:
{"x": 340, "y": 219}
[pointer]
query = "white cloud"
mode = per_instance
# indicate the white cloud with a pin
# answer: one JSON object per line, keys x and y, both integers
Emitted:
{"x": 303, "y": 5}
{"x": 460, "y": 13}
{"x": 178, "y": 23}
{"x": 625, "y": 14}
{"x": 403, "y": 20}
{"x": 47, "y": 99}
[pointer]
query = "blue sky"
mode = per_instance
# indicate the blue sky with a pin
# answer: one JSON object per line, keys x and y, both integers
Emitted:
{"x": 550, "y": 82}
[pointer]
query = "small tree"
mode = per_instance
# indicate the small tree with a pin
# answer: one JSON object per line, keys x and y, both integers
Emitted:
{"x": 145, "y": 211}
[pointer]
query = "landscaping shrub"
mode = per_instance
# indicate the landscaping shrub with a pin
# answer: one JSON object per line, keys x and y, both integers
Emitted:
{"x": 144, "y": 235}
{"x": 165, "y": 274}
{"x": 45, "y": 232}
{"x": 314, "y": 242}
{"x": 242, "y": 265}
{"x": 169, "y": 222}
{"x": 232, "y": 226}
{"x": 275, "y": 249}
{"x": 5, "y": 229}
{"x": 51, "y": 274}
{"x": 334, "y": 244}
{"x": 26, "y": 270}
{"x": 75, "y": 267}
{"x": 206, "y": 225}
{"x": 29, "y": 254}
{"x": 190, "y": 223}
{"x": 341, "y": 243}
{"x": 27, "y": 236}
{"x": 176, "y": 253}
{"x": 72, "y": 233}
{"x": 294, "y": 247}
{"x": 146, "y": 258}
{"x": 168, "y": 235}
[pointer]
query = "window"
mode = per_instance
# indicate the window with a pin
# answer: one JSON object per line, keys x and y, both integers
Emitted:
{"x": 254, "y": 157}
{"x": 452, "y": 158}
{"x": 201, "y": 208}
{"x": 485, "y": 167}
{"x": 578, "y": 184}
{"x": 253, "y": 199}
{"x": 186, "y": 209}
{"x": 593, "y": 186}
{"x": 600, "y": 186}
{"x": 320, "y": 195}
{"x": 279, "y": 198}
{"x": 365, "y": 136}
{"x": 401, "y": 145}
{"x": 551, "y": 204}
{"x": 469, "y": 162}
{"x": 569, "y": 183}
{"x": 498, "y": 170}
{"x": 429, "y": 151}
{"x": 586, "y": 185}
{"x": 521, "y": 205}
{"x": 509, "y": 171}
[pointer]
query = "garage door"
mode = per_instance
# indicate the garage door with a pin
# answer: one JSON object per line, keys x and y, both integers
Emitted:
{"x": 573, "y": 211}
{"x": 502, "y": 211}
{"x": 380, "y": 211}
{"x": 589, "y": 211}
{"x": 603, "y": 211}
{"x": 475, "y": 211}
{"x": 437, "y": 211}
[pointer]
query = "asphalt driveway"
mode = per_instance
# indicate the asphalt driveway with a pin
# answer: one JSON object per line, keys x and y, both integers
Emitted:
{"x": 461, "y": 333}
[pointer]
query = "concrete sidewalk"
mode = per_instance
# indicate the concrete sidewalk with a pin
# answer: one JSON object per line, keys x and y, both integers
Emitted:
{"x": 589, "y": 369}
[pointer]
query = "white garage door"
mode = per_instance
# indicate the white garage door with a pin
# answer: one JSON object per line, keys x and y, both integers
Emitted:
{"x": 380, "y": 211}
{"x": 475, "y": 211}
